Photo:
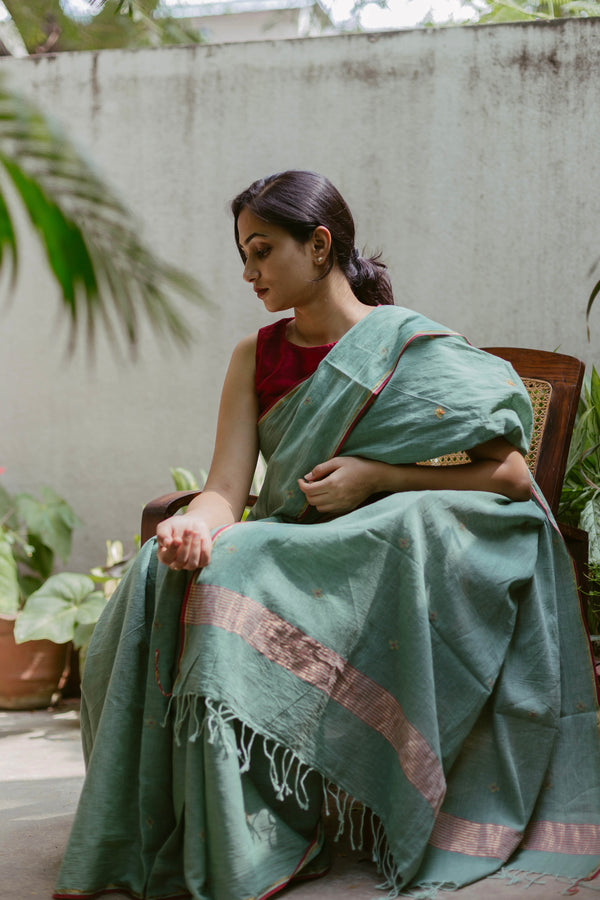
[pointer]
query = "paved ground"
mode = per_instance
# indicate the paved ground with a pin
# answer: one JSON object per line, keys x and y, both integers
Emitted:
{"x": 41, "y": 771}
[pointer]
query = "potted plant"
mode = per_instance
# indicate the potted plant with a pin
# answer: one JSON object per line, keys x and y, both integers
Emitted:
{"x": 580, "y": 498}
{"x": 65, "y": 609}
{"x": 43, "y": 614}
{"x": 34, "y": 532}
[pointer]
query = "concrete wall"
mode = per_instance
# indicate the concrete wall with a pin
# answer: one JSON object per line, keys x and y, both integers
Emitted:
{"x": 469, "y": 156}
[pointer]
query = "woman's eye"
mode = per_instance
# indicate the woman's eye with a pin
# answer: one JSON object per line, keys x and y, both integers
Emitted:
{"x": 263, "y": 252}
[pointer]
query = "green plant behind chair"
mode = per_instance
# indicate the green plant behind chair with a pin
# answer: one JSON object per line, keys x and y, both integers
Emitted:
{"x": 580, "y": 498}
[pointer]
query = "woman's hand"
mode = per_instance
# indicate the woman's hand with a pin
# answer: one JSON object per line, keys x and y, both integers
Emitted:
{"x": 340, "y": 484}
{"x": 184, "y": 542}
{"x": 344, "y": 482}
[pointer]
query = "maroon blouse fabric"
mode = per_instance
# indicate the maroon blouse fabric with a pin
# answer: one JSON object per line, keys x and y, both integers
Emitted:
{"x": 280, "y": 365}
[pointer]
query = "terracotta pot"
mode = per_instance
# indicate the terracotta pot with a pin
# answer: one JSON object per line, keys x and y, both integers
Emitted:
{"x": 30, "y": 673}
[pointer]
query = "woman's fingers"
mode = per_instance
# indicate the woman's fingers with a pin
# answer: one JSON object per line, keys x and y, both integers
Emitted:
{"x": 183, "y": 544}
{"x": 338, "y": 484}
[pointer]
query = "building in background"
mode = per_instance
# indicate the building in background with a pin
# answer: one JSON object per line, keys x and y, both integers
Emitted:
{"x": 255, "y": 20}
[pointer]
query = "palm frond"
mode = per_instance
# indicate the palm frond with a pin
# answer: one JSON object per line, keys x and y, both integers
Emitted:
{"x": 105, "y": 272}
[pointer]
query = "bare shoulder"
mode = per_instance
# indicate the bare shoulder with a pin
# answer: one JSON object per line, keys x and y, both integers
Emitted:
{"x": 241, "y": 374}
{"x": 244, "y": 353}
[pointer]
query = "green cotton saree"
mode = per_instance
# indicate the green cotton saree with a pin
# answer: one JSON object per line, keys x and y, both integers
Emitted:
{"x": 423, "y": 654}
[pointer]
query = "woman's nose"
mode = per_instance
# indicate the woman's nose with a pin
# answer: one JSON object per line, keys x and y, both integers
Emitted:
{"x": 250, "y": 272}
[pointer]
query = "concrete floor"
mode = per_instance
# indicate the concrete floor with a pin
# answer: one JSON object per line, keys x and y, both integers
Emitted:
{"x": 41, "y": 772}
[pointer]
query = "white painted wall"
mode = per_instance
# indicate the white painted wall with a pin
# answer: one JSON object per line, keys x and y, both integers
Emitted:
{"x": 468, "y": 155}
{"x": 260, "y": 25}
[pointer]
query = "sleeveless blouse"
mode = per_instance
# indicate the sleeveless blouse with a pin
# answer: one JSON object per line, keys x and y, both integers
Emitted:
{"x": 281, "y": 365}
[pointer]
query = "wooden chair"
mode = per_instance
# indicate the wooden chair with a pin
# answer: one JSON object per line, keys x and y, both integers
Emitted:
{"x": 553, "y": 382}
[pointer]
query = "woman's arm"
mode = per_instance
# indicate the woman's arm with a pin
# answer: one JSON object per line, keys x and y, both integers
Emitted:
{"x": 184, "y": 542}
{"x": 344, "y": 482}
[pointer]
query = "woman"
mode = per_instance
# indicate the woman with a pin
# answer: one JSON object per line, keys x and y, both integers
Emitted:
{"x": 386, "y": 629}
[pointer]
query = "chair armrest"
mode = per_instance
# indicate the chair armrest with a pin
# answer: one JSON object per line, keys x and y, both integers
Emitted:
{"x": 161, "y": 508}
{"x": 167, "y": 505}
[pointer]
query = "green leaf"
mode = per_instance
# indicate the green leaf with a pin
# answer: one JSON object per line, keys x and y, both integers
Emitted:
{"x": 184, "y": 480}
{"x": 8, "y": 242}
{"x": 590, "y": 522}
{"x": 51, "y": 613}
{"x": 595, "y": 392}
{"x": 40, "y": 558}
{"x": 91, "y": 609}
{"x": 29, "y": 584}
{"x": 63, "y": 242}
{"x": 590, "y": 303}
{"x": 45, "y": 618}
{"x": 9, "y": 584}
{"x": 51, "y": 520}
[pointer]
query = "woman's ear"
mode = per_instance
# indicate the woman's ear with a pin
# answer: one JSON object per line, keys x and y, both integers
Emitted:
{"x": 320, "y": 243}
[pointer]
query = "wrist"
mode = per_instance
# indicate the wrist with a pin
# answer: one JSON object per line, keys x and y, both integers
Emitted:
{"x": 379, "y": 480}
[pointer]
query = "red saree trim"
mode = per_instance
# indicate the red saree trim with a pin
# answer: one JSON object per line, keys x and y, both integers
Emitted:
{"x": 559, "y": 837}
{"x": 376, "y": 390}
{"x": 283, "y": 882}
{"x": 474, "y": 838}
{"x": 318, "y": 665}
{"x": 386, "y": 377}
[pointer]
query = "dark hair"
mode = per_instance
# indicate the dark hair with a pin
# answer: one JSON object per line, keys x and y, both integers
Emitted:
{"x": 301, "y": 201}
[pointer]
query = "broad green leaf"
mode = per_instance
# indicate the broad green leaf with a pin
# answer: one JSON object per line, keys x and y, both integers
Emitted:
{"x": 91, "y": 609}
{"x": 9, "y": 584}
{"x": 39, "y": 558}
{"x": 51, "y": 498}
{"x": 590, "y": 522}
{"x": 49, "y": 519}
{"x": 45, "y": 618}
{"x": 51, "y": 612}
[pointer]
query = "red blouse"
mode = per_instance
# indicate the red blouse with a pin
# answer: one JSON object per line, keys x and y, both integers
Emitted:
{"x": 280, "y": 365}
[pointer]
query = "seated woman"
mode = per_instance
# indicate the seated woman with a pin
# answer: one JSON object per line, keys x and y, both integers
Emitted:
{"x": 402, "y": 634}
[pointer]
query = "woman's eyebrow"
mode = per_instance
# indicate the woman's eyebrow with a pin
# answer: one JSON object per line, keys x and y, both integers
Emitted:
{"x": 253, "y": 235}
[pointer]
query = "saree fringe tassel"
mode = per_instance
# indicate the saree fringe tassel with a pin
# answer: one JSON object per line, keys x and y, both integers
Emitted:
{"x": 288, "y": 774}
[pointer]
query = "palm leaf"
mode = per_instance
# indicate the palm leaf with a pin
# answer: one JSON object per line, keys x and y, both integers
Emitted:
{"x": 104, "y": 270}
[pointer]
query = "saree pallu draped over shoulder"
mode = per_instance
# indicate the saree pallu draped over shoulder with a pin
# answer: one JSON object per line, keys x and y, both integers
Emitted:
{"x": 424, "y": 654}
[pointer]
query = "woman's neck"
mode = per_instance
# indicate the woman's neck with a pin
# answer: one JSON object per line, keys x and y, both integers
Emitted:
{"x": 327, "y": 318}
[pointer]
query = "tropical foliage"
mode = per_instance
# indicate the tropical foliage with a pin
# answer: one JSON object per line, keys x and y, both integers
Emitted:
{"x": 485, "y": 12}
{"x": 45, "y": 26}
{"x": 35, "y": 531}
{"x": 580, "y": 499}
{"x": 106, "y": 273}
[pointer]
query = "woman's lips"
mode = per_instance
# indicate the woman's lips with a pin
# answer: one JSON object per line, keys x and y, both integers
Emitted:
{"x": 260, "y": 292}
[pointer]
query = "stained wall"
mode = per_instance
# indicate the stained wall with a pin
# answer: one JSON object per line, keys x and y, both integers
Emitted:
{"x": 468, "y": 155}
